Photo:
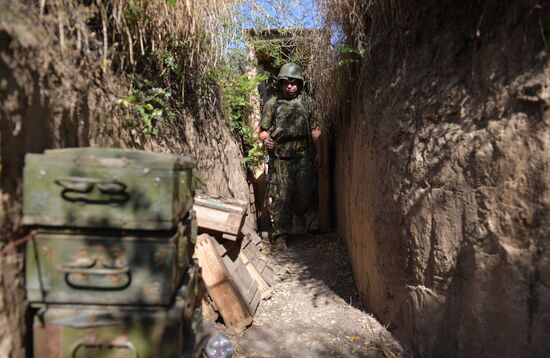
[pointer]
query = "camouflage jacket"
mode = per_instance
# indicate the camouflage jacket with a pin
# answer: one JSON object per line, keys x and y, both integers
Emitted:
{"x": 296, "y": 118}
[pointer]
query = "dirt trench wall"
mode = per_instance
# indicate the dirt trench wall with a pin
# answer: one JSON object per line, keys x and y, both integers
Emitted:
{"x": 46, "y": 101}
{"x": 443, "y": 173}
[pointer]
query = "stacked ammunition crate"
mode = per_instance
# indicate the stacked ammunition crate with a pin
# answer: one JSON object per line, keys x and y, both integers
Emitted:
{"x": 234, "y": 272}
{"x": 109, "y": 270}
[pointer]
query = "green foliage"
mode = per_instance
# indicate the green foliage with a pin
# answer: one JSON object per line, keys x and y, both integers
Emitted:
{"x": 235, "y": 91}
{"x": 170, "y": 61}
{"x": 278, "y": 52}
{"x": 348, "y": 55}
{"x": 146, "y": 105}
{"x": 133, "y": 14}
{"x": 282, "y": 51}
{"x": 272, "y": 49}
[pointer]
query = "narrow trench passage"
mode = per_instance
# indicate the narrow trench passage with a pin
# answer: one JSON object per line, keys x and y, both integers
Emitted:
{"x": 315, "y": 309}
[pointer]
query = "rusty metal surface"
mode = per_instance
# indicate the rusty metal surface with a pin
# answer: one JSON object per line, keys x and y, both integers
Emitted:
{"x": 120, "y": 331}
{"x": 46, "y": 340}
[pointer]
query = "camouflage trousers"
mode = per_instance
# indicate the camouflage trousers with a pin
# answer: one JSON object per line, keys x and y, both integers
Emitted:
{"x": 293, "y": 185}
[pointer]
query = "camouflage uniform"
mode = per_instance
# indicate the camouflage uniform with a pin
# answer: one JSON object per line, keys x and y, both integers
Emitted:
{"x": 293, "y": 180}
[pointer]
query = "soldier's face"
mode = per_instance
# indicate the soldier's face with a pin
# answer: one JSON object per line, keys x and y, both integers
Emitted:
{"x": 289, "y": 88}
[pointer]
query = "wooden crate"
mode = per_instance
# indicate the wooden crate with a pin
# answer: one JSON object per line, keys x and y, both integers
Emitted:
{"x": 221, "y": 286}
{"x": 245, "y": 283}
{"x": 220, "y": 216}
{"x": 250, "y": 251}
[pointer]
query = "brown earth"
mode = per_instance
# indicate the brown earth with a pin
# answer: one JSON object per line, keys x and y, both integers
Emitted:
{"x": 315, "y": 309}
{"x": 443, "y": 172}
{"x": 50, "y": 100}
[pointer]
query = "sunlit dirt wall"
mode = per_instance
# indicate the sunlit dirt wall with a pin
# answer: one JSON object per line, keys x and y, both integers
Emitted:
{"x": 443, "y": 177}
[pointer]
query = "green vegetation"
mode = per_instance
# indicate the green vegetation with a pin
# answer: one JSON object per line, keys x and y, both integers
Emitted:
{"x": 236, "y": 90}
{"x": 146, "y": 105}
{"x": 279, "y": 51}
{"x": 177, "y": 46}
{"x": 348, "y": 55}
{"x": 171, "y": 43}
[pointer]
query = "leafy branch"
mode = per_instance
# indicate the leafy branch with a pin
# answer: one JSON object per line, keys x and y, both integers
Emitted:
{"x": 236, "y": 90}
{"x": 146, "y": 106}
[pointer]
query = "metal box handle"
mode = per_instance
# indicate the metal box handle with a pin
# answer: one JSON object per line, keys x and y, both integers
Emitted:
{"x": 93, "y": 343}
{"x": 84, "y": 186}
{"x": 78, "y": 277}
{"x": 78, "y": 184}
{"x": 111, "y": 187}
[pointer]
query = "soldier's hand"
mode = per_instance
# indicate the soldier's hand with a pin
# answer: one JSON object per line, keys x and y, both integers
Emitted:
{"x": 270, "y": 143}
{"x": 316, "y": 133}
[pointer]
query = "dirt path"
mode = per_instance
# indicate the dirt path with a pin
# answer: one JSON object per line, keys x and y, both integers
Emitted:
{"x": 315, "y": 310}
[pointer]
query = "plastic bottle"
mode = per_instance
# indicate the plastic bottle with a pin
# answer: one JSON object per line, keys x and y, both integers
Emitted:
{"x": 218, "y": 346}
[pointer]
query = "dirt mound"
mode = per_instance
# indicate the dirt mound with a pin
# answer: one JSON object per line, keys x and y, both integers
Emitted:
{"x": 443, "y": 182}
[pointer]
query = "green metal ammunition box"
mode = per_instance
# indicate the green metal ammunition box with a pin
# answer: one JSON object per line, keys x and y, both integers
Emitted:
{"x": 109, "y": 331}
{"x": 98, "y": 267}
{"x": 106, "y": 188}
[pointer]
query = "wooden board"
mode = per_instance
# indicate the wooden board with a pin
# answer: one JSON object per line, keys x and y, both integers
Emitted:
{"x": 219, "y": 221}
{"x": 265, "y": 290}
{"x": 250, "y": 249}
{"x": 223, "y": 291}
{"x": 223, "y": 215}
{"x": 236, "y": 274}
{"x": 230, "y": 205}
{"x": 239, "y": 274}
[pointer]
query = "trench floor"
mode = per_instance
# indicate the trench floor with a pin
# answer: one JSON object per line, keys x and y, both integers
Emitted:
{"x": 315, "y": 309}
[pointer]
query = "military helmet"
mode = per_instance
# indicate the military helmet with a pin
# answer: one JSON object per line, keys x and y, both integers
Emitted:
{"x": 290, "y": 70}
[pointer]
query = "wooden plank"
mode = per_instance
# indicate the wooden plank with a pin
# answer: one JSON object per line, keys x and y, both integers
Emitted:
{"x": 245, "y": 284}
{"x": 252, "y": 252}
{"x": 219, "y": 285}
{"x": 256, "y": 239}
{"x": 217, "y": 220}
{"x": 211, "y": 214}
{"x": 235, "y": 315}
{"x": 241, "y": 278}
{"x": 265, "y": 270}
{"x": 230, "y": 237}
{"x": 213, "y": 271}
{"x": 252, "y": 218}
{"x": 263, "y": 221}
{"x": 250, "y": 235}
{"x": 221, "y": 204}
{"x": 265, "y": 289}
{"x": 220, "y": 236}
{"x": 247, "y": 230}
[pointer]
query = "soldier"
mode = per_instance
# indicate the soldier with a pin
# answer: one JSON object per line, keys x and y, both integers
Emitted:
{"x": 296, "y": 150}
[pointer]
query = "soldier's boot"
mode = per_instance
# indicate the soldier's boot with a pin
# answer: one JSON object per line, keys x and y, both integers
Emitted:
{"x": 281, "y": 242}
{"x": 299, "y": 227}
